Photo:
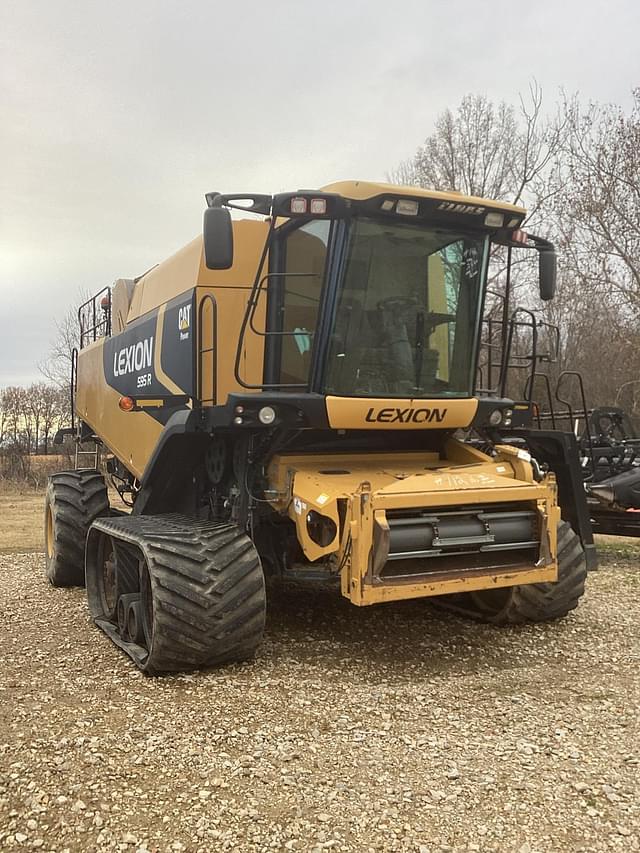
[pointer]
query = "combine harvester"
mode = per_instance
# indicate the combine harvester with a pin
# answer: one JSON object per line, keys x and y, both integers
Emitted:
{"x": 293, "y": 396}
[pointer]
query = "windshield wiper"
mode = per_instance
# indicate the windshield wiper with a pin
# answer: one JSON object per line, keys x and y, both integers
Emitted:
{"x": 419, "y": 349}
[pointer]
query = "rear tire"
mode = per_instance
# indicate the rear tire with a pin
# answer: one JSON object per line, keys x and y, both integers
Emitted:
{"x": 74, "y": 499}
{"x": 537, "y": 602}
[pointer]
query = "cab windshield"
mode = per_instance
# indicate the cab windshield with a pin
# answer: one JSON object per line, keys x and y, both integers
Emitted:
{"x": 407, "y": 312}
{"x": 407, "y": 306}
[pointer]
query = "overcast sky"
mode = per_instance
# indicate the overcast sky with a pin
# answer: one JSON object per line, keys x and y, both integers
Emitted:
{"x": 116, "y": 117}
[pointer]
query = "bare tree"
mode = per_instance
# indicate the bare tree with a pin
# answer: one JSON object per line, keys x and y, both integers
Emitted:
{"x": 578, "y": 173}
{"x": 56, "y": 412}
{"x": 595, "y": 189}
{"x": 14, "y": 406}
{"x": 57, "y": 366}
{"x": 486, "y": 149}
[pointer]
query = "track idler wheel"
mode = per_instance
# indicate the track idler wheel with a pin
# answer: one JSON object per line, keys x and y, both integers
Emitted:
{"x": 126, "y": 622}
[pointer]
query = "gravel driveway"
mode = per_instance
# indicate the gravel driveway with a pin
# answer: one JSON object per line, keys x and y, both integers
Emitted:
{"x": 395, "y": 728}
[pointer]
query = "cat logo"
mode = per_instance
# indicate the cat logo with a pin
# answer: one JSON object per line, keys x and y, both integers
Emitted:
{"x": 184, "y": 321}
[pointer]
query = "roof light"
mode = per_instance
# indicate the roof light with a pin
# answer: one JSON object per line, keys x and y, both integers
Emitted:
{"x": 513, "y": 222}
{"x": 494, "y": 220}
{"x": 387, "y": 204}
{"x": 126, "y": 403}
{"x": 407, "y": 207}
{"x": 298, "y": 205}
{"x": 318, "y": 206}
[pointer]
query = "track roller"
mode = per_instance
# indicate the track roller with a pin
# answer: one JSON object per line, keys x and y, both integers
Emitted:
{"x": 175, "y": 593}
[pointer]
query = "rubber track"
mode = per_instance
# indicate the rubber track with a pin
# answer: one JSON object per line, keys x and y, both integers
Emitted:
{"x": 208, "y": 591}
{"x": 541, "y": 602}
{"x": 76, "y": 498}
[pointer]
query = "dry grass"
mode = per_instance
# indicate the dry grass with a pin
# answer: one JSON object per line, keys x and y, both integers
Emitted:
{"x": 22, "y": 527}
{"x": 22, "y": 514}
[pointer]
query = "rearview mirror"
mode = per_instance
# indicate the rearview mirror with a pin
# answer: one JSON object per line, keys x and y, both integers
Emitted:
{"x": 217, "y": 236}
{"x": 547, "y": 271}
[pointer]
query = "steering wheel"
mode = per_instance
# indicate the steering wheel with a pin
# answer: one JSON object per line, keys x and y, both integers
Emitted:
{"x": 391, "y": 303}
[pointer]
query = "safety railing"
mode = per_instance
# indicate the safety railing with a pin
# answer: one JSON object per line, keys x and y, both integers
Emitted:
{"x": 507, "y": 349}
{"x": 94, "y": 317}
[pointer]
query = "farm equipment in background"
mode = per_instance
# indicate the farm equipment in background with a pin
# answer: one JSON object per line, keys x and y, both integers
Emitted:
{"x": 290, "y": 396}
{"x": 519, "y": 362}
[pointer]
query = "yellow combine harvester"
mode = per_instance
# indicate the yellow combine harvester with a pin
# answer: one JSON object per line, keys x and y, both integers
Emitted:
{"x": 292, "y": 395}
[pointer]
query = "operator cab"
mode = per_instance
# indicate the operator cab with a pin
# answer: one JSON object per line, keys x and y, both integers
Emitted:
{"x": 371, "y": 291}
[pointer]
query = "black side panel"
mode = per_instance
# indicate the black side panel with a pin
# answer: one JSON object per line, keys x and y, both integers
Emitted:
{"x": 179, "y": 340}
{"x": 560, "y": 451}
{"x": 169, "y": 480}
{"x": 129, "y": 359}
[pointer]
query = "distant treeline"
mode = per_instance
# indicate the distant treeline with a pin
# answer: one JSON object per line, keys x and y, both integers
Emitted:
{"x": 30, "y": 416}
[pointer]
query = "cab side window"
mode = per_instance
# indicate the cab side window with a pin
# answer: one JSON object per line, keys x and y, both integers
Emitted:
{"x": 304, "y": 268}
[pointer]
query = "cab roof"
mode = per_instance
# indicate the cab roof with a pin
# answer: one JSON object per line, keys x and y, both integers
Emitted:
{"x": 366, "y": 190}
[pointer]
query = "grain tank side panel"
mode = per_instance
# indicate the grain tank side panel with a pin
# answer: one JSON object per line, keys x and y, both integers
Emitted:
{"x": 156, "y": 360}
{"x": 97, "y": 405}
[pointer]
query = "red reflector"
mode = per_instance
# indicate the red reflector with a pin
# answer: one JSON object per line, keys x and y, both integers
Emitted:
{"x": 519, "y": 236}
{"x": 126, "y": 403}
{"x": 105, "y": 301}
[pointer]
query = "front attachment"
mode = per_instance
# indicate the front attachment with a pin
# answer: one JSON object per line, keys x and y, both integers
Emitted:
{"x": 175, "y": 593}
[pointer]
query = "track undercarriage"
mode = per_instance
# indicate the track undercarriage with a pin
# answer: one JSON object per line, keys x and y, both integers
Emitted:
{"x": 175, "y": 593}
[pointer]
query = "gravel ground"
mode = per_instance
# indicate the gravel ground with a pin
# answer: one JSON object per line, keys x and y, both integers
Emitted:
{"x": 394, "y": 728}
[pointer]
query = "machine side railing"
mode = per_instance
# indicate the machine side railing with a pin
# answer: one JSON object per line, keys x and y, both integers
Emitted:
{"x": 517, "y": 361}
{"x": 94, "y": 317}
{"x": 576, "y": 415}
{"x": 518, "y": 344}
{"x": 73, "y": 387}
{"x": 488, "y": 378}
{"x": 539, "y": 413}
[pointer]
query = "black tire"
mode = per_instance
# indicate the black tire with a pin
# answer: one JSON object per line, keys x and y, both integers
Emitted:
{"x": 202, "y": 591}
{"x": 209, "y": 602}
{"x": 538, "y": 602}
{"x": 74, "y": 499}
